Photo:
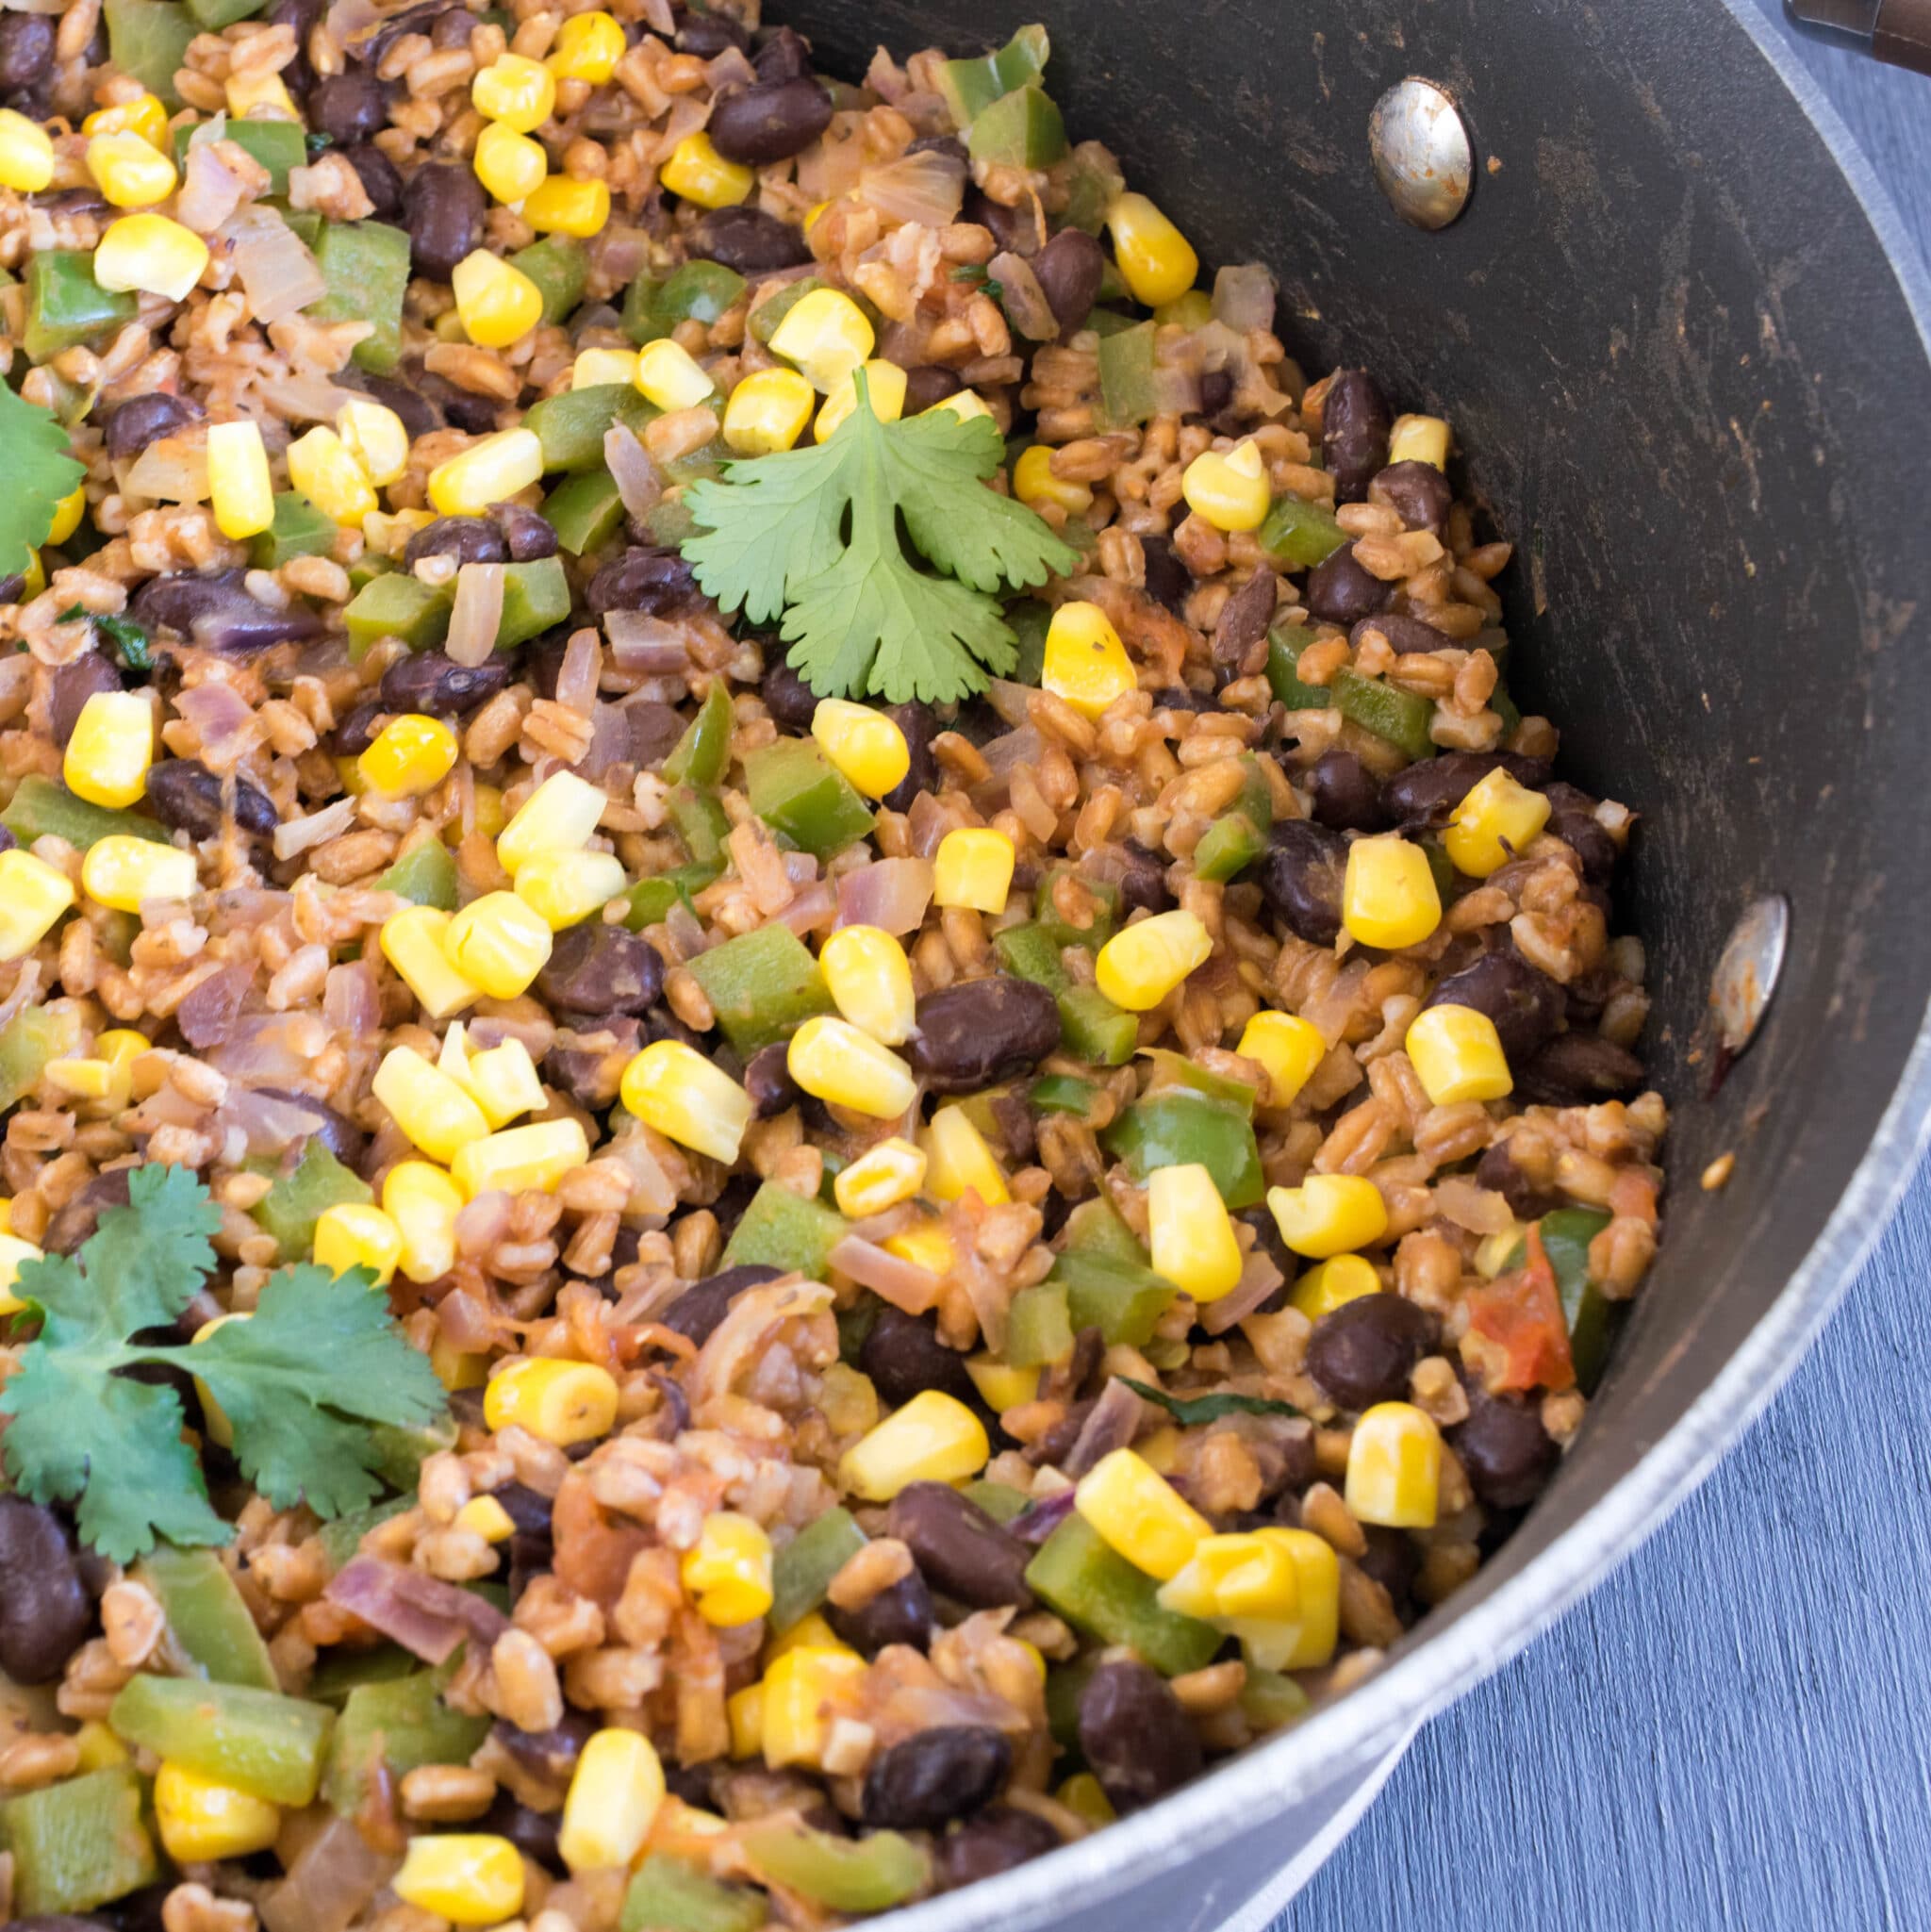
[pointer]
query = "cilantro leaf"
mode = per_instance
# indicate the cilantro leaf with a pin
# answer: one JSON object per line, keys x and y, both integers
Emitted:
{"x": 1190, "y": 1412}
{"x": 126, "y": 636}
{"x": 40, "y": 471}
{"x": 815, "y": 534}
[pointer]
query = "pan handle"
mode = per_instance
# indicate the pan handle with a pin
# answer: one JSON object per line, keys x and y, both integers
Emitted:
{"x": 1898, "y": 31}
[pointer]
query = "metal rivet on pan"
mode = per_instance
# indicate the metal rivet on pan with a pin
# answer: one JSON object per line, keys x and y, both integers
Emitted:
{"x": 1421, "y": 151}
{"x": 1746, "y": 974}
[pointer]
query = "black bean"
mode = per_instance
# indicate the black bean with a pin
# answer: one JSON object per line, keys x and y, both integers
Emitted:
{"x": 1418, "y": 493}
{"x": 420, "y": 415}
{"x": 44, "y": 1608}
{"x": 948, "y": 144}
{"x": 1426, "y": 794}
{"x": 698, "y": 1310}
{"x": 1390, "y": 1559}
{"x": 1341, "y": 591}
{"x": 52, "y": 1922}
{"x": 1363, "y": 1352}
{"x": 1070, "y": 269}
{"x": 920, "y": 727}
{"x": 551, "y": 1755}
{"x": 468, "y": 540}
{"x": 444, "y": 206}
{"x": 1244, "y": 617}
{"x": 27, "y": 50}
{"x": 429, "y": 683}
{"x": 590, "y": 1067}
{"x": 783, "y": 54}
{"x": 356, "y": 728}
{"x": 7, "y": 841}
{"x": 146, "y": 419}
{"x": 1525, "y": 1003}
{"x": 1301, "y": 877}
{"x": 770, "y": 121}
{"x": 768, "y": 1081}
{"x": 935, "y": 1776}
{"x": 217, "y": 612}
{"x": 1507, "y": 1452}
{"x": 1405, "y": 636}
{"x": 651, "y": 729}
{"x": 418, "y": 18}
{"x": 790, "y": 701}
{"x": 904, "y": 1356}
{"x": 1137, "y": 1737}
{"x": 749, "y": 240}
{"x": 300, "y": 17}
{"x": 187, "y": 797}
{"x": 72, "y": 685}
{"x": 979, "y": 1031}
{"x": 529, "y": 1510}
{"x": 601, "y": 969}
{"x": 528, "y": 535}
{"x": 707, "y": 35}
{"x": 1216, "y": 390}
{"x": 451, "y": 31}
{"x": 959, "y": 1549}
{"x": 379, "y": 179}
{"x": 1014, "y": 229}
{"x": 1345, "y": 795}
{"x": 1577, "y": 1069}
{"x": 1500, "y": 1172}
{"x": 12, "y": 587}
{"x": 1354, "y": 422}
{"x": 928, "y": 383}
{"x": 900, "y": 1614}
{"x": 461, "y": 409}
{"x": 78, "y": 1218}
{"x": 336, "y": 1131}
{"x": 1056, "y": 1442}
{"x": 1573, "y": 819}
{"x": 1143, "y": 884}
{"x": 348, "y": 106}
{"x": 533, "y": 1833}
{"x": 1000, "y": 1839}
{"x": 1168, "y": 579}
{"x": 644, "y": 578}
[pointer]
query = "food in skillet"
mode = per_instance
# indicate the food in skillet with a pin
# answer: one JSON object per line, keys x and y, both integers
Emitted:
{"x": 804, "y": 1072}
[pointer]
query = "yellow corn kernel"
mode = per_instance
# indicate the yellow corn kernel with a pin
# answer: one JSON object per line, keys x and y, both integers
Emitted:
{"x": 85, "y": 1079}
{"x": 1141, "y": 964}
{"x": 559, "y": 1402}
{"x": 1156, "y": 259}
{"x": 1230, "y": 491}
{"x": 699, "y": 172}
{"x": 510, "y": 165}
{"x": 486, "y": 1517}
{"x": 1085, "y": 666}
{"x": 1304, "y": 1641}
{"x": 832, "y": 1060}
{"x": 866, "y": 745}
{"x": 201, "y": 1820}
{"x": 973, "y": 868}
{"x": 436, "y": 1113}
{"x": 323, "y": 467}
{"x": 766, "y": 412}
{"x": 1494, "y": 1251}
{"x": 129, "y": 172}
{"x": 424, "y": 1202}
{"x": 673, "y": 1089}
{"x": 1237, "y": 1576}
{"x": 587, "y": 48}
{"x": 13, "y": 1252}
{"x": 1328, "y": 1215}
{"x": 490, "y": 469}
{"x": 670, "y": 375}
{"x": 1193, "y": 1240}
{"x": 1033, "y": 483}
{"x": 613, "y": 1795}
{"x": 143, "y": 115}
{"x": 745, "y": 1710}
{"x": 68, "y": 512}
{"x": 1328, "y": 1284}
{"x": 126, "y": 872}
{"x": 453, "y": 1368}
{"x": 567, "y": 887}
{"x": 1083, "y": 1796}
{"x": 412, "y": 942}
{"x": 374, "y": 433}
{"x": 888, "y": 1172}
{"x": 727, "y": 1570}
{"x": 1289, "y": 1046}
{"x": 108, "y": 757}
{"x": 1002, "y": 1386}
{"x": 1494, "y": 824}
{"x": 32, "y": 896}
{"x": 1419, "y": 440}
{"x": 470, "y": 1879}
{"x": 35, "y": 575}
{"x": 595, "y": 368}
{"x": 496, "y": 302}
{"x": 99, "y": 1747}
{"x": 964, "y": 404}
{"x": 410, "y": 755}
{"x": 558, "y": 817}
{"x": 1193, "y": 310}
{"x": 489, "y": 815}
{"x": 884, "y": 388}
{"x": 805, "y": 1691}
{"x": 259, "y": 93}
{"x": 516, "y": 91}
{"x": 925, "y": 1245}
{"x": 502, "y": 1080}
{"x": 565, "y": 206}
{"x": 810, "y": 1632}
{"x": 870, "y": 981}
{"x": 521, "y": 1159}
{"x": 1457, "y": 1055}
{"x": 958, "y": 1160}
{"x": 214, "y": 1418}
{"x": 238, "y": 486}
{"x": 358, "y": 1234}
{"x": 1394, "y": 1467}
{"x": 498, "y": 943}
{"x": 933, "y": 1438}
{"x": 1388, "y": 897}
{"x": 151, "y": 254}
{"x": 5, "y": 1216}
{"x": 826, "y": 335}
{"x": 26, "y": 153}
{"x": 1137, "y": 1512}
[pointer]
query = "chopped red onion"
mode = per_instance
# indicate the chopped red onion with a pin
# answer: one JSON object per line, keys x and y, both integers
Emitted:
{"x": 891, "y": 895}
{"x": 1259, "y": 1278}
{"x": 1243, "y": 296}
{"x": 903, "y": 1283}
{"x": 206, "y": 1015}
{"x": 225, "y": 723}
{"x": 630, "y": 465}
{"x": 730, "y": 69}
{"x": 293, "y": 836}
{"x": 274, "y": 1048}
{"x": 927, "y": 187}
{"x": 576, "y": 677}
{"x": 476, "y": 616}
{"x": 350, "y": 1002}
{"x": 646, "y": 645}
{"x": 1024, "y": 302}
{"x": 210, "y": 190}
{"x": 812, "y": 908}
{"x": 331, "y": 1881}
{"x": 1111, "y": 1423}
{"x": 271, "y": 1124}
{"x": 425, "y": 1615}
{"x": 279, "y": 272}
{"x": 659, "y": 18}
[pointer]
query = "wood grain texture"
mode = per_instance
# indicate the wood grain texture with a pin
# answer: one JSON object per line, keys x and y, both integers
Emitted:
{"x": 1730, "y": 1732}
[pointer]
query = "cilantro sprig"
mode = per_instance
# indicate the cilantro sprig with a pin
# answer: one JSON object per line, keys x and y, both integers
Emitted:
{"x": 300, "y": 1381}
{"x": 129, "y": 640}
{"x": 40, "y": 472}
{"x": 1190, "y": 1412}
{"x": 816, "y": 535}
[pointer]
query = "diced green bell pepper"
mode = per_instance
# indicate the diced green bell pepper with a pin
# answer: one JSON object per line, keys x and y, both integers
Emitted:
{"x": 1022, "y": 129}
{"x": 572, "y": 424}
{"x": 1065, "y": 1684}
{"x": 208, "y": 1616}
{"x": 29, "y": 1041}
{"x": 1110, "y": 322}
{"x": 258, "y": 1742}
{"x": 278, "y": 145}
{"x": 669, "y": 521}
{"x": 639, "y": 318}
{"x": 1039, "y": 1327}
{"x": 535, "y": 597}
{"x": 1171, "y": 1069}
{"x": 1122, "y": 1301}
{"x": 698, "y": 757}
{"x": 1284, "y": 648}
{"x": 299, "y": 530}
{"x": 585, "y": 510}
{"x": 970, "y": 87}
{"x": 290, "y": 1208}
{"x": 148, "y": 39}
{"x": 866, "y": 1874}
{"x": 340, "y": 1539}
{"x": 1126, "y": 376}
{"x": 1228, "y": 848}
{"x": 800, "y": 793}
{"x": 1300, "y": 534}
{"x": 65, "y": 306}
{"x": 1094, "y": 1029}
{"x": 339, "y": 1671}
{"x": 1566, "y": 1234}
{"x": 1060, "y": 930}
{"x": 1193, "y": 310}
{"x": 79, "y": 1843}
{"x": 400, "y": 1450}
{"x": 399, "y": 1726}
{"x": 1093, "y": 184}
{"x": 1095, "y": 1589}
{"x": 1269, "y": 1699}
{"x": 1440, "y": 867}
{"x": 368, "y": 568}
{"x": 771, "y": 311}
{"x": 1000, "y": 1500}
{"x": 782, "y": 1229}
{"x": 1399, "y": 716}
{"x": 701, "y": 822}
{"x": 651, "y": 899}
{"x": 41, "y": 808}
{"x": 214, "y": 15}
{"x": 763, "y": 986}
{"x": 1176, "y": 1128}
{"x": 1062, "y": 1093}
{"x": 802, "y": 1572}
{"x": 424, "y": 876}
{"x": 365, "y": 265}
{"x": 306, "y": 224}
{"x": 397, "y": 604}
{"x": 699, "y": 291}
{"x": 1097, "y": 1227}
{"x": 1029, "y": 620}
{"x": 669, "y": 1895}
{"x": 1027, "y": 953}
{"x": 559, "y": 267}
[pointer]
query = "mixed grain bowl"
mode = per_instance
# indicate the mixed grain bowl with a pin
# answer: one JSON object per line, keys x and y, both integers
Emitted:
{"x": 804, "y": 1072}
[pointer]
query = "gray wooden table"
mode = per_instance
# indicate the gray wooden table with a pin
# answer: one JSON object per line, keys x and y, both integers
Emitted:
{"x": 1731, "y": 1732}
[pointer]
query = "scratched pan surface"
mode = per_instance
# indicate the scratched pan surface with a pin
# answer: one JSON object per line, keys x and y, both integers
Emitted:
{"x": 1674, "y": 341}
